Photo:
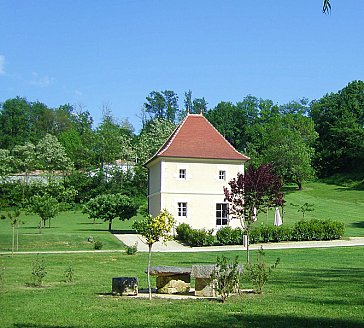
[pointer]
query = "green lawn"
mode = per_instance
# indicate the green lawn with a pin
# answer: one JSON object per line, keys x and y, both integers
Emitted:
{"x": 310, "y": 288}
{"x": 70, "y": 230}
{"x": 330, "y": 202}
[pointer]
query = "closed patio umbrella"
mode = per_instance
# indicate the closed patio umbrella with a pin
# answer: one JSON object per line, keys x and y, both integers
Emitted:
{"x": 277, "y": 218}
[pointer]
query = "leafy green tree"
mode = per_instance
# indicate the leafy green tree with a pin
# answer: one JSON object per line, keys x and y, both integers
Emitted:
{"x": 152, "y": 137}
{"x": 14, "y": 122}
{"x": 113, "y": 141}
{"x": 251, "y": 193}
{"x": 6, "y": 164}
{"x": 108, "y": 207}
{"x": 46, "y": 206}
{"x": 154, "y": 229}
{"x": 13, "y": 216}
{"x": 162, "y": 105}
{"x": 339, "y": 122}
{"x": 52, "y": 156}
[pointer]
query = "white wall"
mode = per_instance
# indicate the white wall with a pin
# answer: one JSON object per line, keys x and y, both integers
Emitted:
{"x": 201, "y": 189}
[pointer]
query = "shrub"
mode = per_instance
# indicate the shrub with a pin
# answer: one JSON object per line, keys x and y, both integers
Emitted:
{"x": 38, "y": 272}
{"x": 229, "y": 236}
{"x": 69, "y": 274}
{"x": 227, "y": 276}
{"x": 183, "y": 232}
{"x": 194, "y": 237}
{"x": 98, "y": 244}
{"x": 131, "y": 250}
{"x": 258, "y": 273}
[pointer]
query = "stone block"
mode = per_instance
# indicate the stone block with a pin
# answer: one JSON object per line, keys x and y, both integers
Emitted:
{"x": 173, "y": 284}
{"x": 125, "y": 286}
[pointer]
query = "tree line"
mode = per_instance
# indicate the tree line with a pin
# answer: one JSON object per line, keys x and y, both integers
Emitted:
{"x": 302, "y": 139}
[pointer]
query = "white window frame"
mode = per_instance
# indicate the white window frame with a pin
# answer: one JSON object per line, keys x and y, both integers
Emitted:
{"x": 219, "y": 213}
{"x": 222, "y": 175}
{"x": 182, "y": 174}
{"x": 182, "y": 209}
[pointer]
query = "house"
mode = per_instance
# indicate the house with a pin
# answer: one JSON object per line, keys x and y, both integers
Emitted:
{"x": 188, "y": 173}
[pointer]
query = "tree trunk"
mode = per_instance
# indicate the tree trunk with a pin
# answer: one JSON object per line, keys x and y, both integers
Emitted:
{"x": 247, "y": 247}
{"x": 13, "y": 241}
{"x": 148, "y": 270}
{"x": 110, "y": 223}
{"x": 17, "y": 237}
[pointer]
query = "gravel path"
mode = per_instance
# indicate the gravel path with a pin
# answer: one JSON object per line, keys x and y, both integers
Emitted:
{"x": 175, "y": 247}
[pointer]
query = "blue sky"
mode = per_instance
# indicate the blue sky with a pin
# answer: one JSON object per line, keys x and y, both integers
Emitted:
{"x": 114, "y": 53}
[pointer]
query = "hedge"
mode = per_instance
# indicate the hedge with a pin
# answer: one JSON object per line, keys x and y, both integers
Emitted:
{"x": 302, "y": 230}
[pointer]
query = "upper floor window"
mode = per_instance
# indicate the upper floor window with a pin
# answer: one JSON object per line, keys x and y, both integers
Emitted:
{"x": 182, "y": 209}
{"x": 182, "y": 173}
{"x": 222, "y": 175}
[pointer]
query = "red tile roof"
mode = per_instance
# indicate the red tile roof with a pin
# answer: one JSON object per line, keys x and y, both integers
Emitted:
{"x": 196, "y": 137}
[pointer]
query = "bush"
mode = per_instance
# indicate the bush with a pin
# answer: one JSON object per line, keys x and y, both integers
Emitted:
{"x": 227, "y": 276}
{"x": 131, "y": 250}
{"x": 98, "y": 244}
{"x": 302, "y": 230}
{"x": 229, "y": 236}
{"x": 194, "y": 237}
{"x": 38, "y": 272}
{"x": 258, "y": 273}
{"x": 183, "y": 232}
{"x": 69, "y": 274}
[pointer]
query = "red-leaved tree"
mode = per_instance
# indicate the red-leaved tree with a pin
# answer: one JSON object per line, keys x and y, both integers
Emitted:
{"x": 251, "y": 193}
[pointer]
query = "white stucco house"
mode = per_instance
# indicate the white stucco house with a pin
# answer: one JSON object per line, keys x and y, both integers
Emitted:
{"x": 188, "y": 173}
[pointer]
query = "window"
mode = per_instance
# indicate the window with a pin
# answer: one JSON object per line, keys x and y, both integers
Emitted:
{"x": 182, "y": 174}
{"x": 182, "y": 209}
{"x": 222, "y": 175}
{"x": 221, "y": 214}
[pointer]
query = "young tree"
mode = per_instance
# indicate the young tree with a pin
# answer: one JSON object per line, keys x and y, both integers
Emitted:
{"x": 13, "y": 216}
{"x": 109, "y": 207}
{"x": 46, "y": 206}
{"x": 154, "y": 229}
{"x": 251, "y": 193}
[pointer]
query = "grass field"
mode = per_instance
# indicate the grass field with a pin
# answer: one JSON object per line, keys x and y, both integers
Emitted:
{"x": 310, "y": 288}
{"x": 70, "y": 230}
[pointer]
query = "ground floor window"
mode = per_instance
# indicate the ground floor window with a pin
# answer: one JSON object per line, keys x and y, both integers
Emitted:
{"x": 182, "y": 209}
{"x": 221, "y": 214}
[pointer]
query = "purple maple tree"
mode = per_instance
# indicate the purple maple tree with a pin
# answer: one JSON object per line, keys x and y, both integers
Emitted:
{"x": 251, "y": 193}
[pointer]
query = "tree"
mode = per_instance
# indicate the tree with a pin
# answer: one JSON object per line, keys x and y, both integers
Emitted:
{"x": 162, "y": 105}
{"x": 46, "y": 206}
{"x": 6, "y": 164}
{"x": 339, "y": 122}
{"x": 194, "y": 106}
{"x": 285, "y": 136}
{"x": 154, "y": 229}
{"x": 14, "y": 122}
{"x": 52, "y": 155}
{"x": 13, "y": 216}
{"x": 152, "y": 137}
{"x": 108, "y": 207}
{"x": 252, "y": 193}
{"x": 326, "y": 6}
{"x": 113, "y": 140}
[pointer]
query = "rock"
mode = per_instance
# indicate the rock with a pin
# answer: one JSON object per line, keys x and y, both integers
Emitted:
{"x": 125, "y": 286}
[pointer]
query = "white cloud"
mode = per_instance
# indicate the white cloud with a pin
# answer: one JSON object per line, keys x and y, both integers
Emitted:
{"x": 41, "y": 81}
{"x": 2, "y": 65}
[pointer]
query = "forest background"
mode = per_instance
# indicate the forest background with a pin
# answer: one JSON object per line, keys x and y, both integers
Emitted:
{"x": 305, "y": 140}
